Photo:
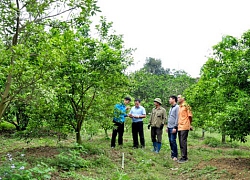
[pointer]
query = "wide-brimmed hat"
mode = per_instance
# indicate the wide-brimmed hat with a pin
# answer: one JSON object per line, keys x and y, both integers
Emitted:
{"x": 158, "y": 100}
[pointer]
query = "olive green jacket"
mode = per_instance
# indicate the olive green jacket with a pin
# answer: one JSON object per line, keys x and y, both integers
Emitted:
{"x": 158, "y": 117}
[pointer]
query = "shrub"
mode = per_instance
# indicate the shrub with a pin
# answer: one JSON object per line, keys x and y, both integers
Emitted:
{"x": 70, "y": 161}
{"x": 5, "y": 126}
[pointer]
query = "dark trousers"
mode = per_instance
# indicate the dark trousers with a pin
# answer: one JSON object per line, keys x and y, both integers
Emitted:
{"x": 137, "y": 128}
{"x": 183, "y": 135}
{"x": 156, "y": 133}
{"x": 118, "y": 129}
{"x": 172, "y": 142}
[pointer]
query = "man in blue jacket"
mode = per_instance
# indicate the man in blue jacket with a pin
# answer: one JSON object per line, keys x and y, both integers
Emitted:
{"x": 119, "y": 119}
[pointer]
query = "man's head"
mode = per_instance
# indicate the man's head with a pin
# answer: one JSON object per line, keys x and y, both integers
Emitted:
{"x": 172, "y": 99}
{"x": 137, "y": 102}
{"x": 180, "y": 98}
{"x": 127, "y": 100}
{"x": 157, "y": 102}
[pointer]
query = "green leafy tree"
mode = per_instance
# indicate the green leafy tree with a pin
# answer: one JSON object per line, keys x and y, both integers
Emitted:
{"x": 147, "y": 85}
{"x": 27, "y": 53}
{"x": 154, "y": 66}
{"x": 90, "y": 67}
{"x": 220, "y": 98}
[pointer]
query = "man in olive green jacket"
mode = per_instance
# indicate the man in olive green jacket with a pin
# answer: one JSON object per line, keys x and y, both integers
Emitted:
{"x": 157, "y": 121}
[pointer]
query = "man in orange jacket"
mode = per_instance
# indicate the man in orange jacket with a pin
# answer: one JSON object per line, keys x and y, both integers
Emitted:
{"x": 184, "y": 125}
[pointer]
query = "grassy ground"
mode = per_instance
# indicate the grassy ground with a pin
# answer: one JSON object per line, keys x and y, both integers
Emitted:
{"x": 208, "y": 158}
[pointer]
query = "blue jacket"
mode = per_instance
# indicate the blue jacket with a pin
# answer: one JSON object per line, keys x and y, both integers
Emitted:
{"x": 120, "y": 113}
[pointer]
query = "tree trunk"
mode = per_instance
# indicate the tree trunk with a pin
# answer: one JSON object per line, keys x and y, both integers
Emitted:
{"x": 78, "y": 136}
{"x": 4, "y": 99}
{"x": 78, "y": 128}
{"x": 3, "y": 107}
{"x": 203, "y": 133}
{"x": 18, "y": 128}
{"x": 223, "y": 138}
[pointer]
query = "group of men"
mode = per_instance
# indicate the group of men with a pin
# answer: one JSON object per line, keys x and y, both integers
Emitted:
{"x": 178, "y": 122}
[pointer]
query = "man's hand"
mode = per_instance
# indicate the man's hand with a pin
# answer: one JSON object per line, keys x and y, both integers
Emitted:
{"x": 191, "y": 128}
{"x": 149, "y": 126}
{"x": 161, "y": 127}
{"x": 173, "y": 131}
{"x": 130, "y": 115}
{"x": 127, "y": 108}
{"x": 166, "y": 130}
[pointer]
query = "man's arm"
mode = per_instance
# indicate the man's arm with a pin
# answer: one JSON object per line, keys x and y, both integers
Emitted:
{"x": 164, "y": 118}
{"x": 130, "y": 113}
{"x": 140, "y": 116}
{"x": 190, "y": 115}
{"x": 176, "y": 117}
{"x": 190, "y": 119}
{"x": 143, "y": 115}
{"x": 151, "y": 118}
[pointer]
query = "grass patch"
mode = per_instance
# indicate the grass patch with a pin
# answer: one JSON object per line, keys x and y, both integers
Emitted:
{"x": 212, "y": 142}
{"x": 94, "y": 159}
{"x": 236, "y": 153}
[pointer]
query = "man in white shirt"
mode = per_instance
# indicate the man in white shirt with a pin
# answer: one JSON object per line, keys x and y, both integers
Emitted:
{"x": 137, "y": 113}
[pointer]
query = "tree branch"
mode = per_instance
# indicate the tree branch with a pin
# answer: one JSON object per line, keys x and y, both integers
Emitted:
{"x": 92, "y": 100}
{"x": 55, "y": 14}
{"x": 84, "y": 91}
{"x": 15, "y": 37}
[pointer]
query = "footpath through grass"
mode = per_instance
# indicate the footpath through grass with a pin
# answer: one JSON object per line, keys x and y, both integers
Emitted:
{"x": 45, "y": 158}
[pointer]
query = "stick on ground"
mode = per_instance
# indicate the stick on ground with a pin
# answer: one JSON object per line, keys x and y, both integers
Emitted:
{"x": 122, "y": 160}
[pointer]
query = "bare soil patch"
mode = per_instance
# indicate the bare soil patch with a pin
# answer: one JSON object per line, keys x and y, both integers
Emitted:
{"x": 42, "y": 151}
{"x": 234, "y": 168}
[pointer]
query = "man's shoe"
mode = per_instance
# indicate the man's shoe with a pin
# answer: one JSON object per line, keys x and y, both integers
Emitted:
{"x": 182, "y": 160}
{"x": 174, "y": 158}
{"x": 112, "y": 147}
{"x": 135, "y": 147}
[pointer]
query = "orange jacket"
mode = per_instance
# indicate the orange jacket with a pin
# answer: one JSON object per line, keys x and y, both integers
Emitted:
{"x": 184, "y": 114}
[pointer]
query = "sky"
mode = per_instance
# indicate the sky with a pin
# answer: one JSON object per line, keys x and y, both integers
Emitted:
{"x": 179, "y": 32}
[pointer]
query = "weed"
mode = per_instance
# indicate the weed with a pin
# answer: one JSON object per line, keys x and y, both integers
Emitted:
{"x": 120, "y": 175}
{"x": 237, "y": 153}
{"x": 102, "y": 161}
{"x": 87, "y": 148}
{"x": 230, "y": 145}
{"x": 212, "y": 142}
{"x": 13, "y": 169}
{"x": 70, "y": 161}
{"x": 194, "y": 135}
{"x": 208, "y": 170}
{"x": 74, "y": 175}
